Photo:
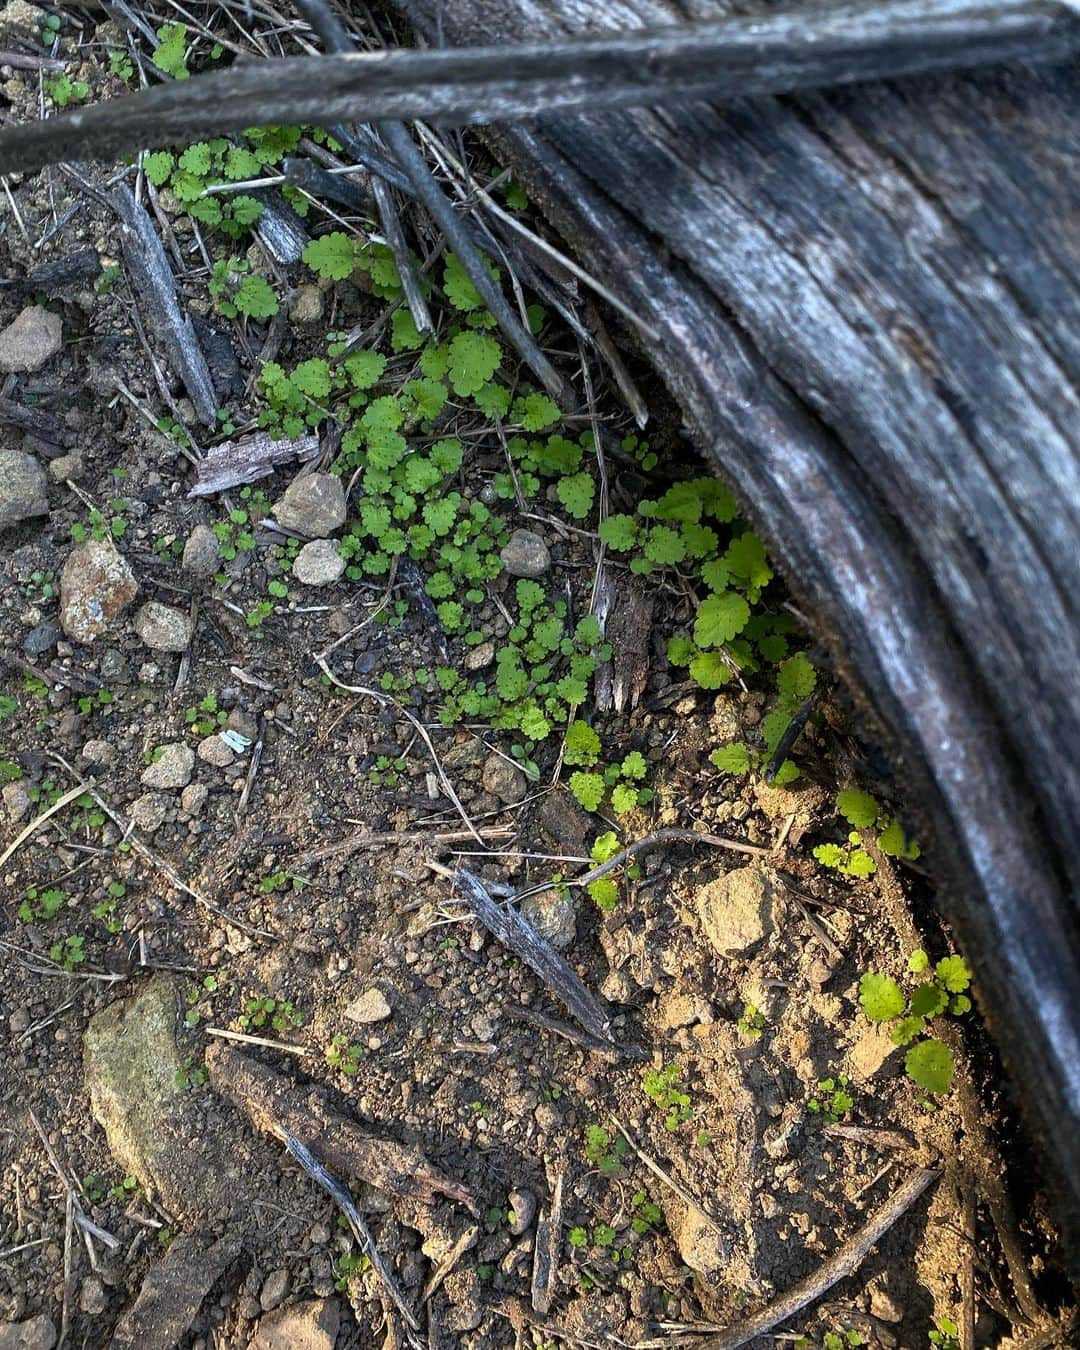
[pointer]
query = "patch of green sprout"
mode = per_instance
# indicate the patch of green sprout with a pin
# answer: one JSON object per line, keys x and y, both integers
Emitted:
{"x": 9, "y": 771}
{"x": 647, "y": 1217}
{"x": 604, "y": 1151}
{"x": 100, "y": 528}
{"x": 280, "y": 880}
{"x": 661, "y": 1087}
{"x": 344, "y": 1054}
{"x": 168, "y": 426}
{"x": 8, "y": 707}
{"x": 945, "y": 1335}
{"x": 386, "y": 772}
{"x": 347, "y": 1267}
{"x": 831, "y": 1100}
{"x": 106, "y": 910}
{"x": 126, "y": 1189}
{"x": 50, "y": 28}
{"x": 862, "y": 812}
{"x": 120, "y": 64}
{"x": 236, "y": 290}
{"x": 276, "y": 1013}
{"x": 205, "y": 717}
{"x": 62, "y": 89}
{"x": 93, "y": 1188}
{"x": 89, "y": 703}
{"x": 752, "y": 1022}
{"x": 929, "y": 1062}
{"x": 190, "y": 1074}
{"x": 795, "y": 682}
{"x": 69, "y": 952}
{"x": 87, "y": 815}
{"x": 41, "y": 904}
{"x": 170, "y": 55}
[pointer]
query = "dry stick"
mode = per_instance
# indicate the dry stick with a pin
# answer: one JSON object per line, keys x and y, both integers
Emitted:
{"x": 382, "y": 698}
{"x": 361, "y": 1232}
{"x": 377, "y": 840}
{"x": 259, "y": 1040}
{"x": 672, "y": 836}
{"x": 449, "y": 1261}
{"x": 840, "y": 1265}
{"x": 147, "y": 854}
{"x": 512, "y": 929}
{"x": 669, "y": 1181}
{"x": 548, "y": 1245}
{"x": 732, "y": 58}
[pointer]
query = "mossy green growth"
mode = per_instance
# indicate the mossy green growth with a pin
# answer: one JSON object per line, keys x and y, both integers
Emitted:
{"x": 929, "y": 1062}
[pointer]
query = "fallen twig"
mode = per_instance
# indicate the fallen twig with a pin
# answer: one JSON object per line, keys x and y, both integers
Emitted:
{"x": 248, "y": 459}
{"x": 734, "y": 57}
{"x": 841, "y": 1264}
{"x": 259, "y": 1040}
{"x": 330, "y": 1184}
{"x": 270, "y": 1100}
{"x": 538, "y": 954}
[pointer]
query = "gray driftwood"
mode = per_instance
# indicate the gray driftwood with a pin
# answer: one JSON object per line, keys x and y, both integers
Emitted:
{"x": 730, "y": 58}
{"x": 867, "y": 303}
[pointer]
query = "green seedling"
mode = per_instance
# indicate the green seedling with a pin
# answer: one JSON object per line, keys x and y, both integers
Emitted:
{"x": 41, "y": 904}
{"x": 261, "y": 1012}
{"x": 69, "y": 952}
{"x": 929, "y": 1062}
{"x": 660, "y": 1086}
{"x": 344, "y": 1055}
{"x": 945, "y": 1335}
{"x": 125, "y": 1190}
{"x": 648, "y": 1216}
{"x": 190, "y": 1075}
{"x": 832, "y": 1099}
{"x": 860, "y": 810}
{"x": 751, "y": 1023}
{"x": 604, "y": 1151}
{"x": 62, "y": 89}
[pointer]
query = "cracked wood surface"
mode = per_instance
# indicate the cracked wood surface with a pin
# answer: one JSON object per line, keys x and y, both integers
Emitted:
{"x": 866, "y": 302}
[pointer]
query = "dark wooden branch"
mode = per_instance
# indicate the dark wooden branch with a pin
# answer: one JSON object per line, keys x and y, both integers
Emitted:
{"x": 732, "y": 58}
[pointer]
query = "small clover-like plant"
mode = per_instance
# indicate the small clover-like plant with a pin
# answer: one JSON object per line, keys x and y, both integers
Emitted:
{"x": 238, "y": 290}
{"x": 332, "y": 255}
{"x": 929, "y": 1062}
{"x": 62, "y": 89}
{"x": 862, "y": 812}
{"x": 344, "y": 1055}
{"x": 170, "y": 55}
{"x": 945, "y": 1335}
{"x": 831, "y": 1099}
{"x": 751, "y": 1023}
{"x": 604, "y": 1151}
{"x": 661, "y": 1087}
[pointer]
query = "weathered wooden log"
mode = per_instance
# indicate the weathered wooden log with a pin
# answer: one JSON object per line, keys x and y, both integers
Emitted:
{"x": 728, "y": 57}
{"x": 868, "y": 304}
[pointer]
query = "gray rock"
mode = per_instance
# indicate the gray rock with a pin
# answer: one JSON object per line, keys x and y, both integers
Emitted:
{"x": 93, "y": 1299}
{"x": 40, "y": 639}
{"x": 478, "y": 658}
{"x": 313, "y": 505}
{"x": 36, "y": 1334}
{"x": 64, "y": 467}
{"x": 30, "y": 340}
{"x": 97, "y": 752}
{"x": 553, "y": 915}
{"x": 523, "y": 1208}
{"x": 319, "y": 563}
{"x": 132, "y": 1071}
{"x": 736, "y": 910}
{"x": 275, "y": 1287}
{"x": 201, "y": 555}
{"x": 149, "y": 811}
{"x": 19, "y": 1021}
{"x": 96, "y": 586}
{"x": 371, "y": 1006}
{"x": 172, "y": 767}
{"x": 173, "y": 1292}
{"x": 114, "y": 666}
{"x": 22, "y": 488}
{"x": 307, "y": 305}
{"x": 163, "y": 628}
{"x": 565, "y": 821}
{"x": 16, "y": 800}
{"x": 525, "y": 555}
{"x": 505, "y": 780}
{"x": 311, "y": 1325}
{"x": 193, "y": 798}
{"x": 213, "y": 750}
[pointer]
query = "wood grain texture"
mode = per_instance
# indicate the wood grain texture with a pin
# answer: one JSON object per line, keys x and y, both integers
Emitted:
{"x": 803, "y": 47}
{"x": 866, "y": 302}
